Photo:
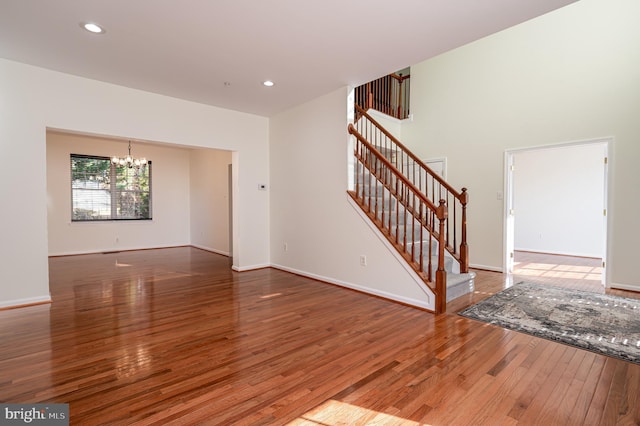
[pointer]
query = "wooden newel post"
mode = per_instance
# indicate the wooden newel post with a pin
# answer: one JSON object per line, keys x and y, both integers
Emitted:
{"x": 464, "y": 247}
{"x": 441, "y": 274}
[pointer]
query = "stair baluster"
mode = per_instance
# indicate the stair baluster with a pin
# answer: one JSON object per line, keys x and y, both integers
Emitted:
{"x": 404, "y": 189}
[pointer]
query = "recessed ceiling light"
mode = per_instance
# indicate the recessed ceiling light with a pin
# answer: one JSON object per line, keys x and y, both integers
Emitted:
{"x": 268, "y": 83}
{"x": 92, "y": 28}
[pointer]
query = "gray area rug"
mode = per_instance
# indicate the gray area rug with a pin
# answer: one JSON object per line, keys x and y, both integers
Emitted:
{"x": 604, "y": 324}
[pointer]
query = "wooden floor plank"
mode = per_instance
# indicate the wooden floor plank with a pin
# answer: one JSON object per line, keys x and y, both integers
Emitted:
{"x": 174, "y": 336}
{"x": 567, "y": 402}
{"x": 596, "y": 410}
{"x": 616, "y": 402}
{"x": 551, "y": 412}
{"x": 585, "y": 397}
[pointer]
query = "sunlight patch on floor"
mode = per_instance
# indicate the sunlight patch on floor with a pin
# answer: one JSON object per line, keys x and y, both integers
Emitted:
{"x": 576, "y": 268}
{"x": 546, "y": 270}
{"x": 334, "y": 413}
{"x": 571, "y": 275}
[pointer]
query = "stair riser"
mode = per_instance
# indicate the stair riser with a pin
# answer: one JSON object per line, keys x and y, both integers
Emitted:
{"x": 465, "y": 285}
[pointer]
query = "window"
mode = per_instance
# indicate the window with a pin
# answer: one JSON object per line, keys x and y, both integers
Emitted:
{"x": 101, "y": 190}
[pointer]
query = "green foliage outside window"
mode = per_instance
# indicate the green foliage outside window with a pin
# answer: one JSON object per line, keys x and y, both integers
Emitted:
{"x": 102, "y": 190}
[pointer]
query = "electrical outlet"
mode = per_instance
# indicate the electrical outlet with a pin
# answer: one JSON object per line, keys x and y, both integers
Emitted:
{"x": 285, "y": 247}
{"x": 363, "y": 260}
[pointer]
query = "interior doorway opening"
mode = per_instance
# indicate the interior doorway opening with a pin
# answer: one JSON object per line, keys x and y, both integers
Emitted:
{"x": 555, "y": 211}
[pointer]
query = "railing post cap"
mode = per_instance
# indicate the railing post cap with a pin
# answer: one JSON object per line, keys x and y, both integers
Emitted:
{"x": 442, "y": 212}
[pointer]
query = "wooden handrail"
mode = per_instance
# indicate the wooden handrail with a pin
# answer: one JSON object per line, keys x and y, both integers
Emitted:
{"x": 434, "y": 186}
{"x": 399, "y": 175}
{"x": 393, "y": 194}
{"x": 410, "y": 203}
{"x": 436, "y": 176}
{"x": 399, "y": 77}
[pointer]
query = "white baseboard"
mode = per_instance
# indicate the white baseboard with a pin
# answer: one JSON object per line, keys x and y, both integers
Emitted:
{"x": 251, "y": 267}
{"x": 212, "y": 250}
{"x": 114, "y": 250}
{"x": 74, "y": 253}
{"x": 429, "y": 304}
{"x": 625, "y": 287}
{"x": 486, "y": 267}
{"x": 16, "y": 303}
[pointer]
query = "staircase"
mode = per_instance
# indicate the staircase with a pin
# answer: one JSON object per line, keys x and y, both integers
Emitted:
{"x": 420, "y": 214}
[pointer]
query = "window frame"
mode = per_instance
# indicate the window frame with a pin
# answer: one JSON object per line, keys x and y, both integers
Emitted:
{"x": 113, "y": 191}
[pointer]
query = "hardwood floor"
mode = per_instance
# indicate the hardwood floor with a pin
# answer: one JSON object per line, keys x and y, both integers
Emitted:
{"x": 174, "y": 336}
{"x": 578, "y": 273}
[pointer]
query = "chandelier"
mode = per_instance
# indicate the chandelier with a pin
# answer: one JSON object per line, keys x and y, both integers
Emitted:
{"x": 129, "y": 161}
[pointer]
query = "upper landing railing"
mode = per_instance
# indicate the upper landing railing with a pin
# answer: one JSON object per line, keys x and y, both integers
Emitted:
{"x": 388, "y": 94}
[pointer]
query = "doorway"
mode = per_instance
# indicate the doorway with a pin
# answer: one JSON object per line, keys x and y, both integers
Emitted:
{"x": 556, "y": 201}
{"x": 438, "y": 165}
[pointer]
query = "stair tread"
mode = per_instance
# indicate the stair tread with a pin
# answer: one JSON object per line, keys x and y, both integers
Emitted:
{"x": 454, "y": 279}
{"x": 459, "y": 284}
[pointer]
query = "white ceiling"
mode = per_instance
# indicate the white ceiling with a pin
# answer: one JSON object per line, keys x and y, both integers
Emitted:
{"x": 189, "y": 49}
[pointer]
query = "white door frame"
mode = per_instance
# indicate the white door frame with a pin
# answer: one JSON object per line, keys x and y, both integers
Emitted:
{"x": 508, "y": 217}
{"x": 442, "y": 161}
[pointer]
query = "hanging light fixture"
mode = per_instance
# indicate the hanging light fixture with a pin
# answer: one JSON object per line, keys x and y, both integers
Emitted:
{"x": 129, "y": 161}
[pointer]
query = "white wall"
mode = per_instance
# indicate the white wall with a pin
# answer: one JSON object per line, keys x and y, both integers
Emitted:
{"x": 566, "y": 76}
{"x": 210, "y": 198}
{"x": 169, "y": 197}
{"x": 34, "y": 99}
{"x": 310, "y": 212}
{"x": 392, "y": 125}
{"x": 559, "y": 200}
